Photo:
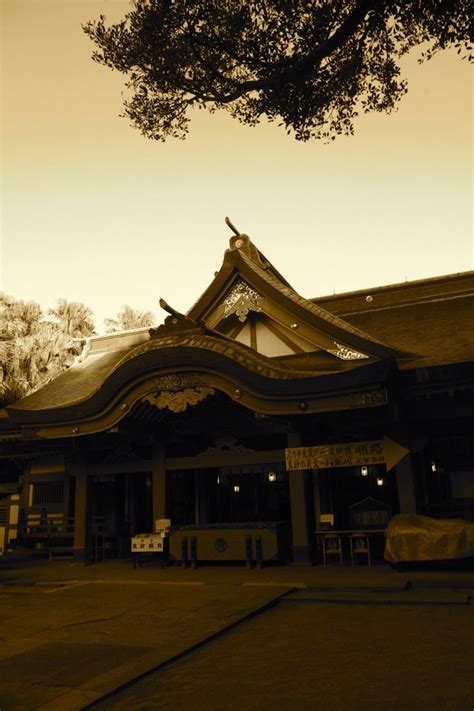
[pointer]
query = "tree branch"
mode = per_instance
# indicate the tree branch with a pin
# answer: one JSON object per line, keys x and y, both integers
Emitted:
{"x": 303, "y": 65}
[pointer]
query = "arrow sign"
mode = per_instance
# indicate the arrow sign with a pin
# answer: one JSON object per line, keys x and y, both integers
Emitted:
{"x": 347, "y": 454}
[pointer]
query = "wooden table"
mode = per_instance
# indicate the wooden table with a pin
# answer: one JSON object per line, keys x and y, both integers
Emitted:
{"x": 346, "y": 532}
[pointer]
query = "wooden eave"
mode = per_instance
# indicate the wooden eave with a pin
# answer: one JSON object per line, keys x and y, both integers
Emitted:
{"x": 256, "y": 382}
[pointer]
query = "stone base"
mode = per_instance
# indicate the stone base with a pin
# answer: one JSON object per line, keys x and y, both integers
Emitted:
{"x": 301, "y": 555}
{"x": 79, "y": 555}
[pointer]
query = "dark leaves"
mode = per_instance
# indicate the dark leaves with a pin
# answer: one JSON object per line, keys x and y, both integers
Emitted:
{"x": 309, "y": 65}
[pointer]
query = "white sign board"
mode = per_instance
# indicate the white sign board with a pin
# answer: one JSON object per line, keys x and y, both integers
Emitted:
{"x": 147, "y": 543}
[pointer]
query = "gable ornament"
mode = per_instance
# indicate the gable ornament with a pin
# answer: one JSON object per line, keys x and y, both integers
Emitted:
{"x": 241, "y": 300}
{"x": 345, "y": 353}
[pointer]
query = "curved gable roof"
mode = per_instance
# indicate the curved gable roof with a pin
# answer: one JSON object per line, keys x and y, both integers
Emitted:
{"x": 243, "y": 263}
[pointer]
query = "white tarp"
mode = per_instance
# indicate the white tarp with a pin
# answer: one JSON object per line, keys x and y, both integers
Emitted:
{"x": 411, "y": 538}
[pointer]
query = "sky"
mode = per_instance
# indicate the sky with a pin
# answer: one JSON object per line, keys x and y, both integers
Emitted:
{"x": 92, "y": 211}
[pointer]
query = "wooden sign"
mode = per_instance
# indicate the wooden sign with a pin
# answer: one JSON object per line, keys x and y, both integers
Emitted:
{"x": 350, "y": 454}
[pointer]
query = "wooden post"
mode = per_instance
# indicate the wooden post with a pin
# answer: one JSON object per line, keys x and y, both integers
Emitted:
{"x": 81, "y": 534}
{"x": 405, "y": 486}
{"x": 316, "y": 498}
{"x": 158, "y": 482}
{"x": 299, "y": 508}
{"x": 67, "y": 484}
{"x": 201, "y": 495}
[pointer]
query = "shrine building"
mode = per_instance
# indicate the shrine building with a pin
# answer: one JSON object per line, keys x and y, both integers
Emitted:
{"x": 258, "y": 416}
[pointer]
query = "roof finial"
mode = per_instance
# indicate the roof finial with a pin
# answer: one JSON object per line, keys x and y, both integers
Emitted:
{"x": 169, "y": 309}
{"x": 232, "y": 227}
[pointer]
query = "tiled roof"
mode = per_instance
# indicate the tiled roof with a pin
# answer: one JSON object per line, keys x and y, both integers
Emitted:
{"x": 432, "y": 317}
{"x": 101, "y": 374}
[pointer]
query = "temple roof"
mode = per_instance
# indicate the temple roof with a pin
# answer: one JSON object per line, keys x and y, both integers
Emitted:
{"x": 430, "y": 317}
{"x": 247, "y": 280}
{"x": 251, "y": 329}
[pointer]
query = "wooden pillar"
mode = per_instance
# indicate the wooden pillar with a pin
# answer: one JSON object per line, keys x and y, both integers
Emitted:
{"x": 159, "y": 482}
{"x": 67, "y": 485}
{"x": 316, "y": 498}
{"x": 299, "y": 508}
{"x": 81, "y": 506}
{"x": 405, "y": 486}
{"x": 201, "y": 495}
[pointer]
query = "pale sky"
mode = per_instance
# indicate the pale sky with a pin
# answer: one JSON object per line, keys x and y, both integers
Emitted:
{"x": 94, "y": 212}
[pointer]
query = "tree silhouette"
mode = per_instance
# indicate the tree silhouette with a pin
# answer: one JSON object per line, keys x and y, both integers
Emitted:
{"x": 310, "y": 65}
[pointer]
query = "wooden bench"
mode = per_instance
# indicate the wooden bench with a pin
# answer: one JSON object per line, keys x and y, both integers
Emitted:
{"x": 60, "y": 551}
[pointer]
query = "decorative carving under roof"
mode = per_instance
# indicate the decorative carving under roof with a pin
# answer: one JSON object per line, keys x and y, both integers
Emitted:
{"x": 177, "y": 391}
{"x": 241, "y": 300}
{"x": 179, "y": 400}
{"x": 345, "y": 353}
{"x": 372, "y": 398}
{"x": 226, "y": 444}
{"x": 177, "y": 381}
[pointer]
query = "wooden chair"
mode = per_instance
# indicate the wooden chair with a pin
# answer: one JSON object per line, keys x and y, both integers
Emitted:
{"x": 332, "y": 546}
{"x": 360, "y": 545}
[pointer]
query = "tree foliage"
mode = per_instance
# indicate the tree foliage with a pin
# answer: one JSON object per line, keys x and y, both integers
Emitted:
{"x": 127, "y": 319}
{"x": 310, "y": 65}
{"x": 36, "y": 346}
{"x": 33, "y": 349}
{"x": 74, "y": 319}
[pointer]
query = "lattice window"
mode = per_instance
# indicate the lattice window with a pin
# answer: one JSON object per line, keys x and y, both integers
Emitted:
{"x": 48, "y": 492}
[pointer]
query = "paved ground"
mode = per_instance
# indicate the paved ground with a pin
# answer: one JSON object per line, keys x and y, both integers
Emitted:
{"x": 71, "y": 634}
{"x": 311, "y": 657}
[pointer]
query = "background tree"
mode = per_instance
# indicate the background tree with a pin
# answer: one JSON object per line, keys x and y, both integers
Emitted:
{"x": 311, "y": 65}
{"x": 127, "y": 319}
{"x": 74, "y": 319}
{"x": 33, "y": 349}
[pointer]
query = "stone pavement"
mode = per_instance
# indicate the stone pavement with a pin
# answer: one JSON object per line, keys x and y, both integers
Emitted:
{"x": 320, "y": 657}
{"x": 73, "y": 634}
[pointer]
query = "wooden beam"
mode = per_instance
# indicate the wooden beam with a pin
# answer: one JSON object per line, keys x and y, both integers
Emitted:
{"x": 278, "y": 332}
{"x": 253, "y": 334}
{"x": 225, "y": 459}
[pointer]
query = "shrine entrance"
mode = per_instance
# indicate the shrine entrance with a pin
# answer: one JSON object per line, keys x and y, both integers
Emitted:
{"x": 229, "y": 494}
{"x": 121, "y": 505}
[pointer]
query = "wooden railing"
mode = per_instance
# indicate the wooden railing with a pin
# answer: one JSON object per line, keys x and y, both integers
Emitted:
{"x": 44, "y": 525}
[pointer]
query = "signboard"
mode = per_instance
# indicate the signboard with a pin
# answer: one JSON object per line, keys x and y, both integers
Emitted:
{"x": 327, "y": 518}
{"x": 349, "y": 454}
{"x": 147, "y": 543}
